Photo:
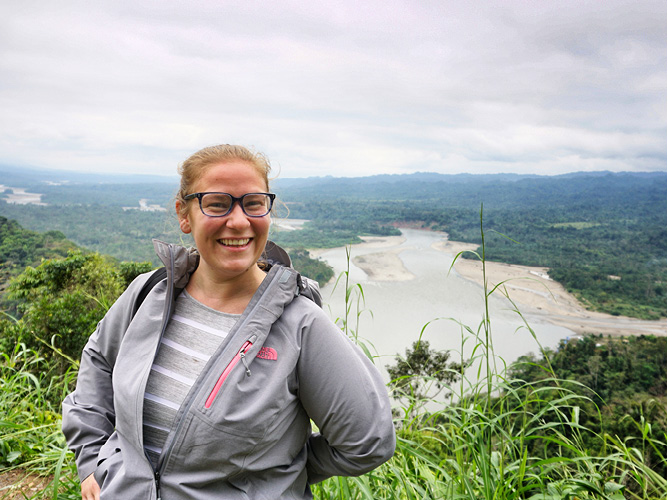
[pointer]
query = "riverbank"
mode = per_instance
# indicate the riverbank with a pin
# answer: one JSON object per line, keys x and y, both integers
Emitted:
{"x": 20, "y": 196}
{"x": 530, "y": 288}
{"x": 535, "y": 293}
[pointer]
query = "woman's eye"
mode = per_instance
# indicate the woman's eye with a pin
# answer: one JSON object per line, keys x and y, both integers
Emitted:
{"x": 216, "y": 205}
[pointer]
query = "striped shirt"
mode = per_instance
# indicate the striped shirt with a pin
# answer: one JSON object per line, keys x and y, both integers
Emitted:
{"x": 193, "y": 333}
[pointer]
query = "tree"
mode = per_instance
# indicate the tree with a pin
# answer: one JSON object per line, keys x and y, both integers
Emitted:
{"x": 422, "y": 374}
{"x": 311, "y": 268}
{"x": 622, "y": 384}
{"x": 62, "y": 300}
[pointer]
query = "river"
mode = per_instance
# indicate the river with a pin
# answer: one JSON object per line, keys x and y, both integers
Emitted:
{"x": 395, "y": 312}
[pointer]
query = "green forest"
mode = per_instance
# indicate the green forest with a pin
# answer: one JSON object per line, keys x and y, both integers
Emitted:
{"x": 602, "y": 235}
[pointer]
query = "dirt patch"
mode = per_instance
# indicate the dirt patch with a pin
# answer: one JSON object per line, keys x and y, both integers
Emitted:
{"x": 17, "y": 484}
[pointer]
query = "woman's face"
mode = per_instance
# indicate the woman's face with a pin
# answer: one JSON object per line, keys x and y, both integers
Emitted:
{"x": 229, "y": 246}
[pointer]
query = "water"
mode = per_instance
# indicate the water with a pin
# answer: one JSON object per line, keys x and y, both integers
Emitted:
{"x": 20, "y": 196}
{"x": 400, "y": 310}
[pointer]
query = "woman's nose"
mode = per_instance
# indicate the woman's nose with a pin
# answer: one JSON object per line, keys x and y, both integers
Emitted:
{"x": 237, "y": 217}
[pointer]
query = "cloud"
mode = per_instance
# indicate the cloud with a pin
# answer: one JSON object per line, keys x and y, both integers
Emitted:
{"x": 352, "y": 88}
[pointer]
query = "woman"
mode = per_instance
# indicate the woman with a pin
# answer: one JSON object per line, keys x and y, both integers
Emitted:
{"x": 209, "y": 389}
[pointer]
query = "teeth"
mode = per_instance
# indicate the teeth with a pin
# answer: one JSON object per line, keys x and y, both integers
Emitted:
{"x": 235, "y": 243}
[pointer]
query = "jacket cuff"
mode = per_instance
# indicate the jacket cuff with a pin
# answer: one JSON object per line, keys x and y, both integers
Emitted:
{"x": 86, "y": 468}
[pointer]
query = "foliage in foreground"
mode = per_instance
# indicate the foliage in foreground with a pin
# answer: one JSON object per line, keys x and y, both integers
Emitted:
{"x": 61, "y": 301}
{"x": 622, "y": 385}
{"x": 528, "y": 444}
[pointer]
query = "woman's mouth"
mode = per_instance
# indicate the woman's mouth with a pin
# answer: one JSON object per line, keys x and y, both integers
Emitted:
{"x": 234, "y": 242}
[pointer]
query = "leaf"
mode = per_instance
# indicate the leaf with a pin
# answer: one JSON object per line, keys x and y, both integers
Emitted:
{"x": 611, "y": 487}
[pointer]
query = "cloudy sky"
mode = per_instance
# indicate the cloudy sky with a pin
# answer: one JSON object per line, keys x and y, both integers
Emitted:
{"x": 345, "y": 88}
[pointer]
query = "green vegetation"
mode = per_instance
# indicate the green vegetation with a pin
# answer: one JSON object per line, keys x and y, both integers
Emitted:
{"x": 330, "y": 233}
{"x": 602, "y": 235}
{"x": 621, "y": 384}
{"x": 312, "y": 236}
{"x": 532, "y": 432}
{"x": 309, "y": 267}
{"x": 20, "y": 248}
{"x": 61, "y": 301}
{"x": 423, "y": 373}
{"x": 123, "y": 234}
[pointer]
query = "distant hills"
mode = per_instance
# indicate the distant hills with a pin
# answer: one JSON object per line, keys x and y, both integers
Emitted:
{"x": 462, "y": 190}
{"x": 495, "y": 191}
{"x": 32, "y": 177}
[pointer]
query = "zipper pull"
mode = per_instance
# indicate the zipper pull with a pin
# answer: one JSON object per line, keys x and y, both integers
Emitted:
{"x": 157, "y": 485}
{"x": 242, "y": 355}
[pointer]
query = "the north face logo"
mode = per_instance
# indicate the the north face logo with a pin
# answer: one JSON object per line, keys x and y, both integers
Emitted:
{"x": 267, "y": 353}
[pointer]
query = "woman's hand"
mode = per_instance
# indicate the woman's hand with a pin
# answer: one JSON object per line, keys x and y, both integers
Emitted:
{"x": 90, "y": 490}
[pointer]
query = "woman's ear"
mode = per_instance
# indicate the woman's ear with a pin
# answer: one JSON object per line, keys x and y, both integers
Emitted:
{"x": 184, "y": 223}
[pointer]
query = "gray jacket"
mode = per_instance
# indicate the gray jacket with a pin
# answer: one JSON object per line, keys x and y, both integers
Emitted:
{"x": 244, "y": 430}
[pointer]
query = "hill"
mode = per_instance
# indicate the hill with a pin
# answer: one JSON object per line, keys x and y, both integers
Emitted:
{"x": 20, "y": 248}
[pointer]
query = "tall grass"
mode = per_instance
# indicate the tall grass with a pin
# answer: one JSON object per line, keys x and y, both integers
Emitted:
{"x": 500, "y": 439}
{"x": 30, "y": 437}
{"x": 503, "y": 438}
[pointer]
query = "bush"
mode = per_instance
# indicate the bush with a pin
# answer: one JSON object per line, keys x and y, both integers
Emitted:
{"x": 61, "y": 301}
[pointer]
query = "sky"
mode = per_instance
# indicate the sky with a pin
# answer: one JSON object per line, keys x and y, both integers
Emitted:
{"x": 344, "y": 88}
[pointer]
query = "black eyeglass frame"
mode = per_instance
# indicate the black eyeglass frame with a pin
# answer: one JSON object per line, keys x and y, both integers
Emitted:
{"x": 234, "y": 199}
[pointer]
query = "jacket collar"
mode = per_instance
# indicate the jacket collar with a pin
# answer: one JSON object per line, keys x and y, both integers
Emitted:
{"x": 181, "y": 262}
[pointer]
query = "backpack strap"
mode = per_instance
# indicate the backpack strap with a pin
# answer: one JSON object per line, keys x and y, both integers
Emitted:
{"x": 155, "y": 278}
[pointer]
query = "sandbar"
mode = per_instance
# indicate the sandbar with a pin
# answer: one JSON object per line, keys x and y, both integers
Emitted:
{"x": 533, "y": 292}
{"x": 383, "y": 266}
{"x": 367, "y": 242}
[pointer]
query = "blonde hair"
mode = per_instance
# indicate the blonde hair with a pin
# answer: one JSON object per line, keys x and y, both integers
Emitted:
{"x": 193, "y": 168}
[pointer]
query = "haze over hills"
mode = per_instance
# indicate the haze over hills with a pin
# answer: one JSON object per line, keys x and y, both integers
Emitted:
{"x": 35, "y": 176}
{"x": 495, "y": 190}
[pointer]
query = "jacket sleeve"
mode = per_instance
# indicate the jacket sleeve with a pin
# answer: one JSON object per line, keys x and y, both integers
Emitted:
{"x": 344, "y": 395}
{"x": 88, "y": 412}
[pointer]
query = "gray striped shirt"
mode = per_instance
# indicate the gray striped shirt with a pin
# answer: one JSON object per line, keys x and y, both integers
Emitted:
{"x": 193, "y": 333}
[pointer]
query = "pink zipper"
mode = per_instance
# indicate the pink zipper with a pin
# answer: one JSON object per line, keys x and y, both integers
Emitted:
{"x": 221, "y": 380}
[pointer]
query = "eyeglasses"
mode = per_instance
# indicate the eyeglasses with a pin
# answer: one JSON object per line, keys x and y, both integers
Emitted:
{"x": 221, "y": 204}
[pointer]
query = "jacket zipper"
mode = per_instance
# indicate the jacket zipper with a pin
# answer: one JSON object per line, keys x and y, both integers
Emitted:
{"x": 170, "y": 305}
{"x": 240, "y": 356}
{"x": 157, "y": 485}
{"x": 166, "y": 452}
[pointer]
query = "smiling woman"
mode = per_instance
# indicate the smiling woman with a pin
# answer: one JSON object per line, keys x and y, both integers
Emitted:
{"x": 209, "y": 389}
{"x": 230, "y": 244}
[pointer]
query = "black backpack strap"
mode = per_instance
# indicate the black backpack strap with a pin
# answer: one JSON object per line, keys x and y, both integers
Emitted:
{"x": 155, "y": 278}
